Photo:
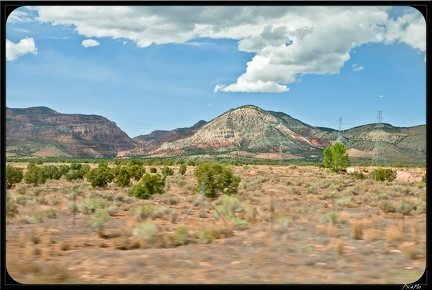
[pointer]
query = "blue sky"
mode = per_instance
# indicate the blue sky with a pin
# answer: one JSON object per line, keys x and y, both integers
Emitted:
{"x": 150, "y": 68}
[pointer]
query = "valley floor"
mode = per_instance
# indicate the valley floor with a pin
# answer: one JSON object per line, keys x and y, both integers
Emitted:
{"x": 294, "y": 225}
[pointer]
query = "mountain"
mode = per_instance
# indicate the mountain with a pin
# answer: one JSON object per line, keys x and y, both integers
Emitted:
{"x": 41, "y": 131}
{"x": 245, "y": 132}
{"x": 156, "y": 138}
{"x": 250, "y": 129}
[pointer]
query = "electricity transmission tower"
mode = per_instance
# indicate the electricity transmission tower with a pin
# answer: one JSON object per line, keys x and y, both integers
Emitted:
{"x": 378, "y": 157}
{"x": 340, "y": 138}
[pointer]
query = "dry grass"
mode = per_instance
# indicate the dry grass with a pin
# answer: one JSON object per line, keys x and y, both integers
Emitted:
{"x": 394, "y": 234}
{"x": 305, "y": 232}
{"x": 410, "y": 249}
{"x": 357, "y": 230}
{"x": 371, "y": 234}
{"x": 332, "y": 230}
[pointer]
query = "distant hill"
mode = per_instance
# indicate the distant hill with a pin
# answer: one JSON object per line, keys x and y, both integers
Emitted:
{"x": 40, "y": 131}
{"x": 244, "y": 132}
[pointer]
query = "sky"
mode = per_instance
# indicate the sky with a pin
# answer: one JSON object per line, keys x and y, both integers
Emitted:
{"x": 152, "y": 68}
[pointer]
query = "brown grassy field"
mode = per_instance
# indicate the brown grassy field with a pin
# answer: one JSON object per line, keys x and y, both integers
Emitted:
{"x": 287, "y": 225}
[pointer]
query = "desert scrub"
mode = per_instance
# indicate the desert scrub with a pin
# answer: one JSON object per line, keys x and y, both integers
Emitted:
{"x": 11, "y": 207}
{"x": 205, "y": 236}
{"x": 387, "y": 206}
{"x": 162, "y": 211}
{"x": 99, "y": 219}
{"x": 330, "y": 217}
{"x": 35, "y": 218}
{"x": 357, "y": 230}
{"x": 50, "y": 213}
{"x": 112, "y": 210}
{"x": 39, "y": 191}
{"x": 236, "y": 210}
{"x": 142, "y": 212}
{"x": 406, "y": 207}
{"x": 383, "y": 174}
{"x": 182, "y": 235}
{"x": 90, "y": 206}
{"x": 145, "y": 230}
{"x": 167, "y": 198}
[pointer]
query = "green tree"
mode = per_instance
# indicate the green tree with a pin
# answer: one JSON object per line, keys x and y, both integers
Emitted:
{"x": 13, "y": 175}
{"x": 217, "y": 179}
{"x": 336, "y": 157}
{"x": 100, "y": 176}
{"x": 35, "y": 175}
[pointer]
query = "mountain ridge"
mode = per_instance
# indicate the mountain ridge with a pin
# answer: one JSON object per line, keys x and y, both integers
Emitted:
{"x": 247, "y": 130}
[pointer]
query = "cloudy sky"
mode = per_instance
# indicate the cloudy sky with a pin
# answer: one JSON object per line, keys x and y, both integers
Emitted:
{"x": 149, "y": 68}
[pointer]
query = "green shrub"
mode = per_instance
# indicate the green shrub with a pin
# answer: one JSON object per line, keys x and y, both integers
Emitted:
{"x": 134, "y": 162}
{"x": 383, "y": 174}
{"x": 139, "y": 191}
{"x": 136, "y": 171}
{"x": 406, "y": 207}
{"x": 358, "y": 175}
{"x": 99, "y": 219}
{"x": 153, "y": 170}
{"x": 166, "y": 171}
{"x": 387, "y": 206}
{"x": 72, "y": 175}
{"x": 236, "y": 210}
{"x": 36, "y": 218}
{"x": 182, "y": 169}
{"x": 52, "y": 172}
{"x": 64, "y": 169}
{"x": 168, "y": 199}
{"x": 217, "y": 179}
{"x": 142, "y": 212}
{"x": 205, "y": 236}
{"x": 100, "y": 176}
{"x": 13, "y": 175}
{"x": 35, "y": 175}
{"x": 182, "y": 235}
{"x": 122, "y": 177}
{"x": 150, "y": 184}
{"x": 91, "y": 205}
{"x": 162, "y": 211}
{"x": 75, "y": 166}
{"x": 50, "y": 213}
{"x": 11, "y": 207}
{"x": 145, "y": 230}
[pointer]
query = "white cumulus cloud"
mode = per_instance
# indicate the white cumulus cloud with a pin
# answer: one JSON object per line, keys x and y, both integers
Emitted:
{"x": 16, "y": 50}
{"x": 357, "y": 67}
{"x": 288, "y": 41}
{"x": 89, "y": 43}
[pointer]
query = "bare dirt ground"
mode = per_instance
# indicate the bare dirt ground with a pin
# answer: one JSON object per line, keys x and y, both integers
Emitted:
{"x": 294, "y": 225}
